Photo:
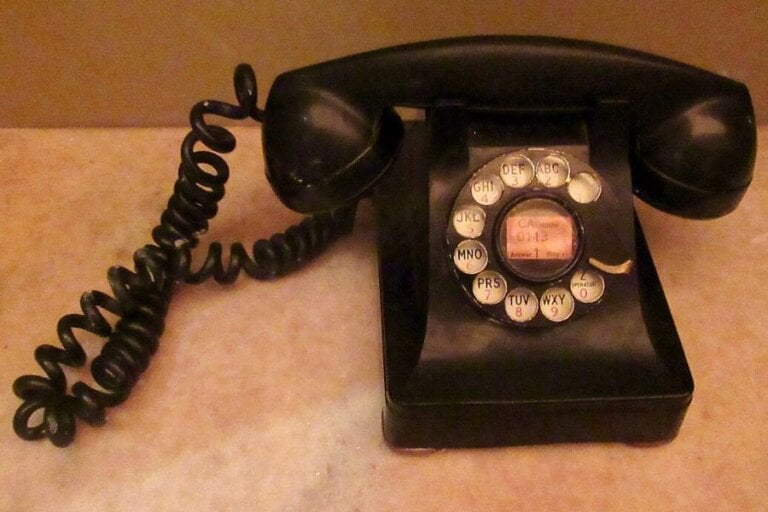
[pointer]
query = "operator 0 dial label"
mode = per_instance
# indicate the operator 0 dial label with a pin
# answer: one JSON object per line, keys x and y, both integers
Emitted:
{"x": 587, "y": 286}
{"x": 521, "y": 305}
{"x": 557, "y": 304}
{"x": 489, "y": 287}
{"x": 469, "y": 221}
{"x": 470, "y": 257}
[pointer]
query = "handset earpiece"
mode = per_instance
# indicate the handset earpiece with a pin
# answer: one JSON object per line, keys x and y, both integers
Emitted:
{"x": 322, "y": 150}
{"x": 697, "y": 163}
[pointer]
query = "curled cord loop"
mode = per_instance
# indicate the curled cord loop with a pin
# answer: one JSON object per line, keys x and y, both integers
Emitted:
{"x": 140, "y": 297}
{"x": 271, "y": 258}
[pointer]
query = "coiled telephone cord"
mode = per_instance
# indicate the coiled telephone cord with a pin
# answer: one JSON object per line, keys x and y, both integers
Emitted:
{"x": 141, "y": 296}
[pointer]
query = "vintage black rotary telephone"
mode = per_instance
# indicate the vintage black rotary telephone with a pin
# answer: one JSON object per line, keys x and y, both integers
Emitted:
{"x": 519, "y": 301}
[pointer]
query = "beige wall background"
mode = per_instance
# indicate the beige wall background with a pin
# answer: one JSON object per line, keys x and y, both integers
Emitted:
{"x": 145, "y": 63}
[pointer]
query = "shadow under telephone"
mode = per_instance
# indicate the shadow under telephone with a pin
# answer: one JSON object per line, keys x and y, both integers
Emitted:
{"x": 519, "y": 301}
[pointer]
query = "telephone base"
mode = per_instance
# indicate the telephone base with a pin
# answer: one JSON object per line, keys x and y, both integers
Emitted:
{"x": 457, "y": 378}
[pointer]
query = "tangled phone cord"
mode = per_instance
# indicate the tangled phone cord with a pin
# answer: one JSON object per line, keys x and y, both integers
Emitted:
{"x": 141, "y": 296}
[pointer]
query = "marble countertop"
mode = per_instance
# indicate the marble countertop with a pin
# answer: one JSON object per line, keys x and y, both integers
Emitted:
{"x": 268, "y": 396}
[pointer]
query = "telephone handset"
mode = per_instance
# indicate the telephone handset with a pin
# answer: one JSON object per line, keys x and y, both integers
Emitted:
{"x": 330, "y": 131}
{"x": 519, "y": 301}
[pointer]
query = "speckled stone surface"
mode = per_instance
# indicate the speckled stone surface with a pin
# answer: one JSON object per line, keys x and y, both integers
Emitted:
{"x": 267, "y": 396}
